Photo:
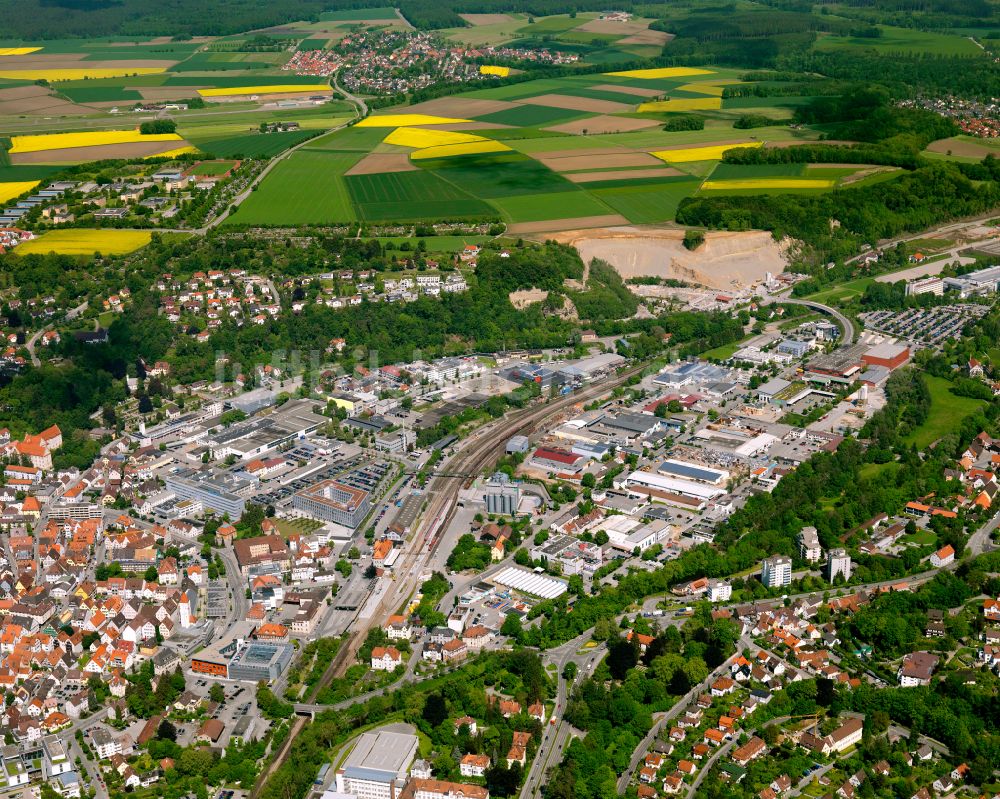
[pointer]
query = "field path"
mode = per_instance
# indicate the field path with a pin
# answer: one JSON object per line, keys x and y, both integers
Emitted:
{"x": 406, "y": 22}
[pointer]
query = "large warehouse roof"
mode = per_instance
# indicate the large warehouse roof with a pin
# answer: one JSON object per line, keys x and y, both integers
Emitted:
{"x": 531, "y": 583}
{"x": 683, "y": 487}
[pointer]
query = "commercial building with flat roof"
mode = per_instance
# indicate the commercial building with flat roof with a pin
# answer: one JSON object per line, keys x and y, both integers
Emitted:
{"x": 530, "y": 582}
{"x": 693, "y": 471}
{"x": 239, "y": 657}
{"x": 377, "y": 765}
{"x": 333, "y": 501}
{"x": 891, "y": 356}
{"x": 266, "y": 433}
{"x": 219, "y": 492}
{"x": 661, "y": 482}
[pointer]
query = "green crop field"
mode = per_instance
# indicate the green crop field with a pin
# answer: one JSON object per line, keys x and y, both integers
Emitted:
{"x": 101, "y": 94}
{"x": 362, "y": 140}
{"x": 749, "y": 171}
{"x": 306, "y": 188}
{"x": 530, "y": 115}
{"x": 412, "y": 196}
{"x": 539, "y": 207}
{"x": 17, "y": 174}
{"x": 505, "y": 175}
{"x": 251, "y": 145}
{"x": 647, "y": 203}
{"x": 228, "y": 62}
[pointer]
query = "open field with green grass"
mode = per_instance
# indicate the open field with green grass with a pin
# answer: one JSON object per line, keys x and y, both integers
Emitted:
{"x": 903, "y": 40}
{"x": 412, "y": 196}
{"x": 946, "y": 413}
{"x": 251, "y": 145}
{"x": 845, "y": 292}
{"x": 305, "y": 188}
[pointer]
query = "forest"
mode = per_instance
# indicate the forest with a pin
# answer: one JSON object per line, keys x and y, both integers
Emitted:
{"x": 71, "y": 19}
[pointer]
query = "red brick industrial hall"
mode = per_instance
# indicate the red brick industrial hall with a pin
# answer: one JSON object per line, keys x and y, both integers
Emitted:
{"x": 891, "y": 356}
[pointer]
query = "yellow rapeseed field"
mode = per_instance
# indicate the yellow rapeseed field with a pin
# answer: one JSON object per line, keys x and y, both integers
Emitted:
{"x": 682, "y": 104}
{"x": 56, "y": 75}
{"x": 18, "y": 50}
{"x": 767, "y": 183}
{"x": 662, "y": 72}
{"x": 8, "y": 191}
{"x": 278, "y": 88}
{"x": 712, "y": 89}
{"x": 406, "y": 120}
{"x": 62, "y": 141}
{"x": 711, "y": 152}
{"x": 470, "y": 148}
{"x": 501, "y": 72}
{"x": 421, "y": 137}
{"x": 86, "y": 242}
{"x": 173, "y": 153}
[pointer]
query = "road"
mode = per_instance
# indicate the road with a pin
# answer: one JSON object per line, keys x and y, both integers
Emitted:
{"x": 555, "y": 738}
{"x": 951, "y": 227}
{"x": 32, "y": 342}
{"x": 240, "y": 604}
{"x": 846, "y": 325}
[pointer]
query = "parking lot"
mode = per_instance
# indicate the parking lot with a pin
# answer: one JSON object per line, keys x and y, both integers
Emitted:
{"x": 924, "y": 325}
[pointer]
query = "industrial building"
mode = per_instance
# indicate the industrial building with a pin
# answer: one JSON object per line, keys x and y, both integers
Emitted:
{"x": 501, "y": 495}
{"x": 891, "y": 356}
{"x": 333, "y": 501}
{"x": 254, "y": 437}
{"x": 658, "y": 485}
{"x": 529, "y": 582}
{"x": 693, "y": 471}
{"x": 377, "y": 765}
{"x": 982, "y": 281}
{"x": 216, "y": 491}
{"x": 840, "y": 366}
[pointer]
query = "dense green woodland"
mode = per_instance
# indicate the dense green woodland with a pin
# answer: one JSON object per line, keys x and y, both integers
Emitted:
{"x": 481, "y": 319}
{"x": 61, "y": 19}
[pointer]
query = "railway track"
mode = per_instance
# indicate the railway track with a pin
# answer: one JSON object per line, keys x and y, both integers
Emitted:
{"x": 472, "y": 459}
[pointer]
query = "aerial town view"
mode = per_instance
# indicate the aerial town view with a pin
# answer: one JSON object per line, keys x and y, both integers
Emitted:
{"x": 475, "y": 398}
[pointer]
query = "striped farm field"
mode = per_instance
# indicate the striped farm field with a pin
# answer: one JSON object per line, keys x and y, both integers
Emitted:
{"x": 58, "y": 75}
{"x": 766, "y": 184}
{"x": 682, "y": 104}
{"x": 468, "y": 148}
{"x": 8, "y": 191}
{"x": 710, "y": 153}
{"x": 64, "y": 141}
{"x": 406, "y": 120}
{"x": 86, "y": 242}
{"x": 277, "y": 88}
{"x": 421, "y": 137}
{"x": 662, "y": 72}
{"x": 18, "y": 50}
{"x": 500, "y": 72}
